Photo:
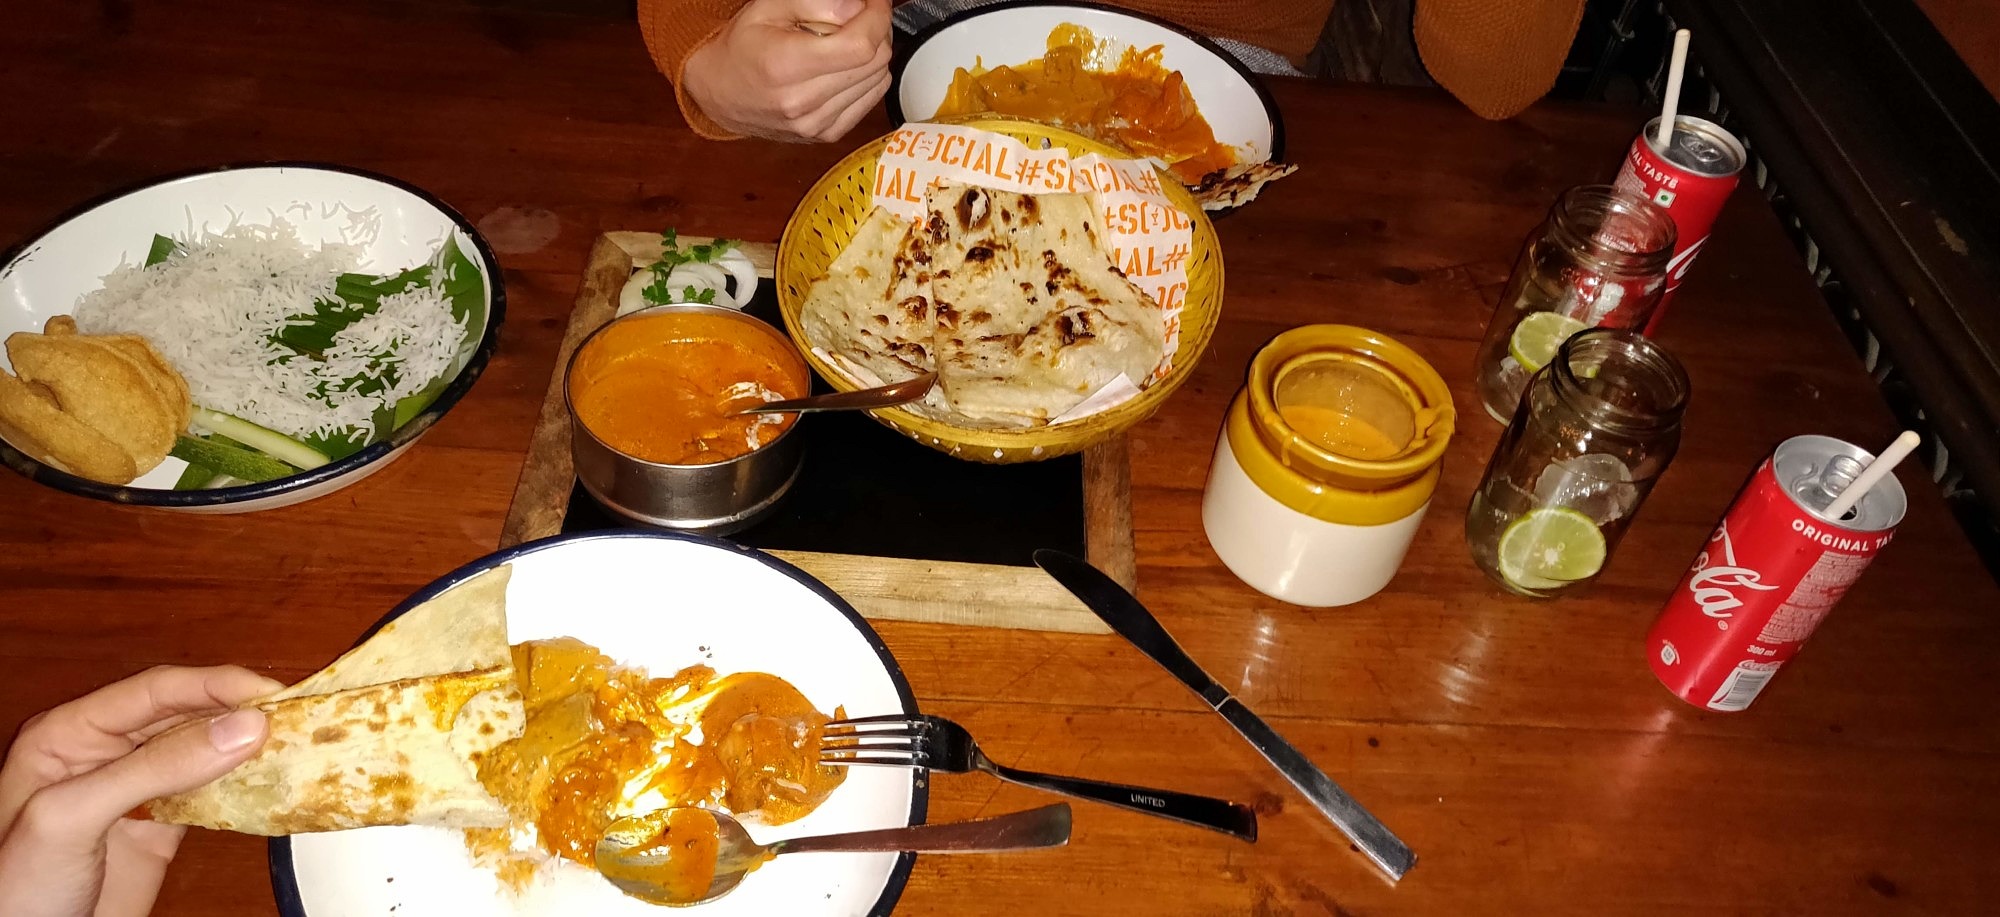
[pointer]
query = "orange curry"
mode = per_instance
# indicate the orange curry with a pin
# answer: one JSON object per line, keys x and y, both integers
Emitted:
{"x": 1139, "y": 104}
{"x": 604, "y": 741}
{"x": 655, "y": 386}
{"x": 680, "y": 857}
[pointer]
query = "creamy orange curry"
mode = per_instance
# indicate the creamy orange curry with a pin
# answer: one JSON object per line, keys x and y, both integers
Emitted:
{"x": 680, "y": 858}
{"x": 604, "y": 741}
{"x": 655, "y": 387}
{"x": 1139, "y": 104}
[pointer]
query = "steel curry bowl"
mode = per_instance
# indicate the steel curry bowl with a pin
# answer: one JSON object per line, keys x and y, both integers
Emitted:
{"x": 645, "y": 395}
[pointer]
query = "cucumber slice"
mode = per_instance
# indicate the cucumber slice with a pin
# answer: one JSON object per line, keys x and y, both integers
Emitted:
{"x": 230, "y": 461}
{"x": 270, "y": 442}
{"x": 195, "y": 477}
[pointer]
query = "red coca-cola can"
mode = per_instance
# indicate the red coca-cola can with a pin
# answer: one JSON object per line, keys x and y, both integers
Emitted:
{"x": 1691, "y": 176}
{"x": 1769, "y": 574}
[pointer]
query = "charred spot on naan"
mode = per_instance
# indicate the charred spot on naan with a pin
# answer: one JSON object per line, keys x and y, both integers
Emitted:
{"x": 913, "y": 356}
{"x": 1074, "y": 326}
{"x": 974, "y": 209}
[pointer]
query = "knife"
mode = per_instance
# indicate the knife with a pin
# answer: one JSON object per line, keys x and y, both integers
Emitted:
{"x": 1132, "y": 621}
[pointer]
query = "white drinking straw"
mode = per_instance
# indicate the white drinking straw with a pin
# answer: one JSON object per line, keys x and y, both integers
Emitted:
{"x": 1672, "y": 103}
{"x": 1875, "y": 472}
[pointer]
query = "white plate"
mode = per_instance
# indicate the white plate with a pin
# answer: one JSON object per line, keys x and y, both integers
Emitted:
{"x": 663, "y": 601}
{"x": 47, "y": 275}
{"x": 1229, "y": 95}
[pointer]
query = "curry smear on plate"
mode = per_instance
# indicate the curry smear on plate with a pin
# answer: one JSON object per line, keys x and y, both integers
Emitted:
{"x": 603, "y": 741}
{"x": 1137, "y": 104}
{"x": 655, "y": 386}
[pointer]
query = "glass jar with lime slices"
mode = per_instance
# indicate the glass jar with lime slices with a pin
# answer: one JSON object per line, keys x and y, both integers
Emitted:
{"x": 1599, "y": 261}
{"x": 1592, "y": 433}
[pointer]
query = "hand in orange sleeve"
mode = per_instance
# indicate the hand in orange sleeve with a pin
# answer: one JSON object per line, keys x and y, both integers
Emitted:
{"x": 764, "y": 75}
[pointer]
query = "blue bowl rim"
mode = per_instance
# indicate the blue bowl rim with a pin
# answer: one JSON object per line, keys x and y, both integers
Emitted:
{"x": 284, "y": 879}
{"x": 895, "y": 101}
{"x": 496, "y": 310}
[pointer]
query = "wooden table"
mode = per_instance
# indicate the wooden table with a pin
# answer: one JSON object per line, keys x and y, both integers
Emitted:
{"x": 1522, "y": 748}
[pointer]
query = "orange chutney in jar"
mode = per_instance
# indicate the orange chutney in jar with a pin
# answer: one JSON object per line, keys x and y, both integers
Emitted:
{"x": 657, "y": 386}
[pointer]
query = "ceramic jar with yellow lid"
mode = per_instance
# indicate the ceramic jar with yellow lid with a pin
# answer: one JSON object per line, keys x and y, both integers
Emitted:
{"x": 1326, "y": 463}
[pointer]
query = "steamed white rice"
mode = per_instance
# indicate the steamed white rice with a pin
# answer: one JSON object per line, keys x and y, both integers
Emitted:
{"x": 213, "y": 311}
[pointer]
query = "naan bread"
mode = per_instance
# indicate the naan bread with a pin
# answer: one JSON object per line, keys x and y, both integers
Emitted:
{"x": 389, "y": 734}
{"x": 1011, "y": 298}
{"x": 1031, "y": 317}
{"x": 463, "y": 629}
{"x": 872, "y": 309}
{"x": 1239, "y": 184}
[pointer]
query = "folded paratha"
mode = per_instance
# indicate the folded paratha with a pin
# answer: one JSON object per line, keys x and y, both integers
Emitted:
{"x": 389, "y": 734}
{"x": 1239, "y": 184}
{"x": 872, "y": 309}
{"x": 1031, "y": 316}
{"x": 1011, "y": 298}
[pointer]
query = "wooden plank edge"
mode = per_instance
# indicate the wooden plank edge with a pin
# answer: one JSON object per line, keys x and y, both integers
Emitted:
{"x": 542, "y": 493}
{"x": 949, "y": 592}
{"x": 644, "y": 249}
{"x": 1107, "y": 511}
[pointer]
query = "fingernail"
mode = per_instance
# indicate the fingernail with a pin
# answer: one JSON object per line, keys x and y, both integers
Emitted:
{"x": 234, "y": 731}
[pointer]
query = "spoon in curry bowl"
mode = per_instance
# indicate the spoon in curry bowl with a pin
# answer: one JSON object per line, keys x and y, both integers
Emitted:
{"x": 690, "y": 855}
{"x": 881, "y": 396}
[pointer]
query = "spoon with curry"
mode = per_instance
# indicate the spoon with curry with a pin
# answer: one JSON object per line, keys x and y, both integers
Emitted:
{"x": 690, "y": 855}
{"x": 741, "y": 400}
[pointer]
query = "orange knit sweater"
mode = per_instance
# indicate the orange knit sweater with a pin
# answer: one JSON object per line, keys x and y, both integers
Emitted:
{"x": 1496, "y": 56}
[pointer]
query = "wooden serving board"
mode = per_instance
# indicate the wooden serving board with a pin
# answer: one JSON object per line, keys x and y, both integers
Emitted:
{"x": 883, "y": 588}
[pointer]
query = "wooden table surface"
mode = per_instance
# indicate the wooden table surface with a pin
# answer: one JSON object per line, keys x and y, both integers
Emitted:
{"x": 1522, "y": 748}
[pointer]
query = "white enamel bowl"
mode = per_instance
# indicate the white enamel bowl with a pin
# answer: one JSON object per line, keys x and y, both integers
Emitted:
{"x": 1229, "y": 95}
{"x": 45, "y": 276}
{"x": 663, "y": 601}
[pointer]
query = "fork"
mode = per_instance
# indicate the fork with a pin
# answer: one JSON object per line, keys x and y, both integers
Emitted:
{"x": 938, "y": 744}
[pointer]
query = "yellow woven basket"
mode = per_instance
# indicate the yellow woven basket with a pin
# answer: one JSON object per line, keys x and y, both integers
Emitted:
{"x": 841, "y": 200}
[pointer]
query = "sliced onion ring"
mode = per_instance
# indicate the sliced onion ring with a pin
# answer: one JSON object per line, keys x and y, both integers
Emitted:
{"x": 734, "y": 265}
{"x": 700, "y": 277}
{"x": 743, "y": 272}
{"x": 632, "y": 297}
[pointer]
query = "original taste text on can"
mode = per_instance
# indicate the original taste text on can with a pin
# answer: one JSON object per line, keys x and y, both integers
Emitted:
{"x": 1690, "y": 177}
{"x": 1770, "y": 572}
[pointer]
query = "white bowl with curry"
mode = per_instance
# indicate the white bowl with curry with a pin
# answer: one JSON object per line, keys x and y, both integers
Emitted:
{"x": 646, "y": 670}
{"x": 1134, "y": 81}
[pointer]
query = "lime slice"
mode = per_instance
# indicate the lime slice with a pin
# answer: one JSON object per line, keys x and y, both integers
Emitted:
{"x": 1538, "y": 336}
{"x": 1550, "y": 547}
